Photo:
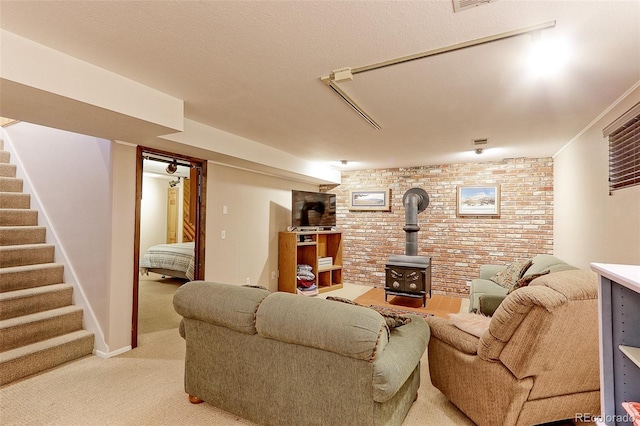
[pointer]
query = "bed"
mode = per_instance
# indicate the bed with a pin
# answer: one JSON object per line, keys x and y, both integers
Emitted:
{"x": 176, "y": 260}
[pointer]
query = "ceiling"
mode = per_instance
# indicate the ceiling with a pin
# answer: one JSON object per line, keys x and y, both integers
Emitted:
{"x": 253, "y": 69}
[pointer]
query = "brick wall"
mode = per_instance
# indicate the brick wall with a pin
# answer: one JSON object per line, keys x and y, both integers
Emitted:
{"x": 457, "y": 245}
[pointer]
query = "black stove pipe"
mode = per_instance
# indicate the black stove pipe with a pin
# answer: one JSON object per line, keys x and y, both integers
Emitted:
{"x": 415, "y": 201}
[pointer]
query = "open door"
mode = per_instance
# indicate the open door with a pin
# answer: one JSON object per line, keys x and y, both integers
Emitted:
{"x": 192, "y": 226}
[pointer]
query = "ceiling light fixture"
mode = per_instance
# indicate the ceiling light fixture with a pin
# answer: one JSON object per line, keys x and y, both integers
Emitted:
{"x": 346, "y": 74}
{"x": 547, "y": 57}
{"x": 172, "y": 167}
{"x": 479, "y": 151}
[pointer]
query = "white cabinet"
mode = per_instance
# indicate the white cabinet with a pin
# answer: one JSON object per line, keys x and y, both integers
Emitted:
{"x": 619, "y": 305}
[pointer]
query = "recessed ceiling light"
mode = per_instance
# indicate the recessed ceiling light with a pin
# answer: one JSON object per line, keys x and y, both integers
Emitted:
{"x": 548, "y": 57}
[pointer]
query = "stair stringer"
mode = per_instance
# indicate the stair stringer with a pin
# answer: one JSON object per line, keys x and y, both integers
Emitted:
{"x": 70, "y": 277}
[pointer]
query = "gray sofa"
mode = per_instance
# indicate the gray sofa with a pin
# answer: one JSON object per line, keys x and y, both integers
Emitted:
{"x": 485, "y": 296}
{"x": 284, "y": 359}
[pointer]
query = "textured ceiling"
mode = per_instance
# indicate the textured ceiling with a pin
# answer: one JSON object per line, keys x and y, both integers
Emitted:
{"x": 253, "y": 69}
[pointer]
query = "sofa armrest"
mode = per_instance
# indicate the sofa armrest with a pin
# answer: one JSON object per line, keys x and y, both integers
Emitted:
{"x": 444, "y": 330}
{"x": 227, "y": 305}
{"x": 393, "y": 366}
{"x": 488, "y": 303}
{"x": 487, "y": 271}
{"x": 511, "y": 313}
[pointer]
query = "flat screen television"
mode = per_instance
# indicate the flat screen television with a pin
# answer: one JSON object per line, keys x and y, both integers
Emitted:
{"x": 313, "y": 209}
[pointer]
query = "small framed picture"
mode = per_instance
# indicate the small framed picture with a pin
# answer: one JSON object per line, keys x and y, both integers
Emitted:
{"x": 370, "y": 199}
{"x": 479, "y": 200}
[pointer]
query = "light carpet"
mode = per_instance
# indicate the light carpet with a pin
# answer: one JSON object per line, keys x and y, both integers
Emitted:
{"x": 145, "y": 386}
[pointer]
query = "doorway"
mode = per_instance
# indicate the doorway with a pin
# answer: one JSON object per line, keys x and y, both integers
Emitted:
{"x": 169, "y": 226}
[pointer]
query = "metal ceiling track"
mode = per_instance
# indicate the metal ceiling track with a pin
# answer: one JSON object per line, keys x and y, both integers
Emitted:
{"x": 331, "y": 81}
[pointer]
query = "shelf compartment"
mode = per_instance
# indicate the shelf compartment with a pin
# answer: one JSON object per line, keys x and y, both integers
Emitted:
{"x": 330, "y": 277}
{"x": 632, "y": 353}
{"x": 329, "y": 288}
{"x": 329, "y": 268}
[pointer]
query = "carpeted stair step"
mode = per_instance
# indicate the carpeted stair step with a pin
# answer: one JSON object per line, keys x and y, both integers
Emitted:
{"x": 8, "y": 170}
{"x": 32, "y": 300}
{"x": 15, "y": 200}
{"x": 26, "y": 254}
{"x": 30, "y": 276}
{"x": 31, "y": 359}
{"x": 17, "y": 235}
{"x": 10, "y": 184}
{"x": 18, "y": 217}
{"x": 27, "y": 329}
{"x": 5, "y": 156}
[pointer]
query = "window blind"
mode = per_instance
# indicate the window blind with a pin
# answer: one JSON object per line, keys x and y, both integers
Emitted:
{"x": 624, "y": 154}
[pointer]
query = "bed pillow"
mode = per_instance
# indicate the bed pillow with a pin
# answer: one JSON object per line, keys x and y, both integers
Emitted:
{"x": 475, "y": 324}
{"x": 510, "y": 275}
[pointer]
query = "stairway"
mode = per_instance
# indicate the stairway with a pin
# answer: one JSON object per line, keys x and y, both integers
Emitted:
{"x": 40, "y": 328}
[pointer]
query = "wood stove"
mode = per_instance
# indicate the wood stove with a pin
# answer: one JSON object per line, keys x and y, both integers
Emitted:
{"x": 409, "y": 274}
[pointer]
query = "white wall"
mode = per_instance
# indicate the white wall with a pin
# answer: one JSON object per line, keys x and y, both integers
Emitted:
{"x": 590, "y": 225}
{"x": 70, "y": 180}
{"x": 153, "y": 212}
{"x": 258, "y": 207}
{"x": 120, "y": 286}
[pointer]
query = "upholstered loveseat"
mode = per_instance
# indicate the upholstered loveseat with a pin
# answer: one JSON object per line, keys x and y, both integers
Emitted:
{"x": 284, "y": 359}
{"x": 485, "y": 295}
{"x": 537, "y": 361}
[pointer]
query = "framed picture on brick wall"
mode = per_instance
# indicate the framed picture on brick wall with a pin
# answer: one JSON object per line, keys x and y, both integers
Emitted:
{"x": 479, "y": 200}
{"x": 369, "y": 199}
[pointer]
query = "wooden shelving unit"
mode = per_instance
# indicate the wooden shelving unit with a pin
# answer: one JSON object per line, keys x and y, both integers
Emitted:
{"x": 619, "y": 299}
{"x": 306, "y": 247}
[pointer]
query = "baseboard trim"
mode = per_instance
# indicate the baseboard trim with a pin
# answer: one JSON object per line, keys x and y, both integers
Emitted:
{"x": 106, "y": 355}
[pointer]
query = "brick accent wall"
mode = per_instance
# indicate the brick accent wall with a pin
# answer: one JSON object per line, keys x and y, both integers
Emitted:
{"x": 457, "y": 245}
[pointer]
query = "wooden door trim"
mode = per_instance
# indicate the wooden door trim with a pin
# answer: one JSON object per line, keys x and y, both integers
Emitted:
{"x": 200, "y": 240}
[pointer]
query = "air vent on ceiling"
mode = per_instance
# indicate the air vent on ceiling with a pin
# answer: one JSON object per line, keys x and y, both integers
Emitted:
{"x": 460, "y": 5}
{"x": 480, "y": 142}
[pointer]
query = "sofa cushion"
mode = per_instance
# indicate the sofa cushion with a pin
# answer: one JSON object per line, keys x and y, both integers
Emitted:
{"x": 336, "y": 327}
{"x": 511, "y": 274}
{"x": 480, "y": 288}
{"x": 475, "y": 324}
